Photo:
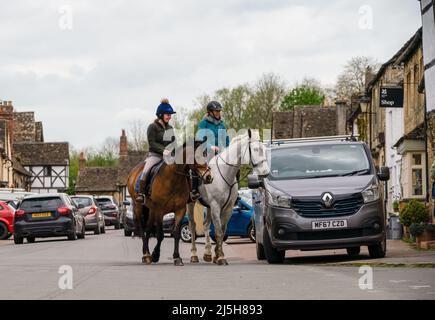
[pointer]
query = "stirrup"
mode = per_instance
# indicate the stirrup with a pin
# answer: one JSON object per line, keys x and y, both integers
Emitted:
{"x": 194, "y": 195}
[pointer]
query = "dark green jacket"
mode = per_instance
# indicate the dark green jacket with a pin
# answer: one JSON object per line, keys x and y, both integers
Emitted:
{"x": 155, "y": 136}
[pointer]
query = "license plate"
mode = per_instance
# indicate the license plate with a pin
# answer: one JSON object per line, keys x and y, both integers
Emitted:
{"x": 41, "y": 215}
{"x": 329, "y": 224}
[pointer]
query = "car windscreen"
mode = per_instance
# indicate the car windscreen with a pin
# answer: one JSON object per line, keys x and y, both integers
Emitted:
{"x": 82, "y": 200}
{"x": 49, "y": 202}
{"x": 317, "y": 161}
{"x": 104, "y": 200}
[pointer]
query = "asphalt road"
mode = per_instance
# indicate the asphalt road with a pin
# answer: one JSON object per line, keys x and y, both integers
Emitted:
{"x": 109, "y": 267}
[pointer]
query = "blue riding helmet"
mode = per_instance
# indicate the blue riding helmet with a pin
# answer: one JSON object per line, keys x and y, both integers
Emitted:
{"x": 164, "y": 108}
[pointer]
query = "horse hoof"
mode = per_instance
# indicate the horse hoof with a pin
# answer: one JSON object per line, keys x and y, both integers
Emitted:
{"x": 207, "y": 258}
{"x": 146, "y": 259}
{"x": 222, "y": 262}
{"x": 178, "y": 262}
{"x": 215, "y": 259}
{"x": 194, "y": 259}
{"x": 156, "y": 257}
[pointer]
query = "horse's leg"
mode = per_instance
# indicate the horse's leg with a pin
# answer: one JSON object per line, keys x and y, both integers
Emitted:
{"x": 146, "y": 237}
{"x": 192, "y": 226}
{"x": 226, "y": 215}
{"x": 207, "y": 222}
{"x": 215, "y": 215}
{"x": 179, "y": 214}
{"x": 160, "y": 236}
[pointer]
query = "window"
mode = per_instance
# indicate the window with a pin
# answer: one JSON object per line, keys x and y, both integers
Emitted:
{"x": 47, "y": 171}
{"x": 417, "y": 175}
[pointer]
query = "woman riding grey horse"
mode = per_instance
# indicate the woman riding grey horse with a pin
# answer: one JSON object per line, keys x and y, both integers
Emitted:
{"x": 222, "y": 193}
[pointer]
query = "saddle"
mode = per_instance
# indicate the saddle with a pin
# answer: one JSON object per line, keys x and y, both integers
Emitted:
{"x": 153, "y": 172}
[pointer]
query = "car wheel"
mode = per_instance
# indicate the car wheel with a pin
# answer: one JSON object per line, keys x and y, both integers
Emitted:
{"x": 353, "y": 251}
{"x": 378, "y": 250}
{"x": 97, "y": 229}
{"x": 260, "y": 251}
{"x": 272, "y": 254}
{"x": 73, "y": 235}
{"x": 4, "y": 232}
{"x": 82, "y": 233}
{"x": 117, "y": 225}
{"x": 186, "y": 235}
{"x": 18, "y": 240}
{"x": 251, "y": 232}
{"x": 127, "y": 233}
{"x": 103, "y": 229}
{"x": 30, "y": 239}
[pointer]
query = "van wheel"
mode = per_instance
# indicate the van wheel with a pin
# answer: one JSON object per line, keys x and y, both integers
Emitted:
{"x": 260, "y": 251}
{"x": 186, "y": 235}
{"x": 272, "y": 255}
{"x": 18, "y": 240}
{"x": 378, "y": 250}
{"x": 353, "y": 251}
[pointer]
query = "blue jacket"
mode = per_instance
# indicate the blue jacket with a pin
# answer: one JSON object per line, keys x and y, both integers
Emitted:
{"x": 215, "y": 132}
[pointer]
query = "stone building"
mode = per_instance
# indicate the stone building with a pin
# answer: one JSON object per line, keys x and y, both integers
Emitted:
{"x": 36, "y": 165}
{"x": 310, "y": 121}
{"x": 109, "y": 180}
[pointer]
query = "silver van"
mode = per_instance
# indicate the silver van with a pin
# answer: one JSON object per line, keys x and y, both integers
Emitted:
{"x": 322, "y": 193}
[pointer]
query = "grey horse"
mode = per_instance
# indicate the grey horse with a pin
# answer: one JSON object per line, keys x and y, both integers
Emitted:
{"x": 222, "y": 193}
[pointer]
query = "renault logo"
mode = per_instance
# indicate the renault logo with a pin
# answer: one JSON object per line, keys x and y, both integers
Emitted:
{"x": 327, "y": 199}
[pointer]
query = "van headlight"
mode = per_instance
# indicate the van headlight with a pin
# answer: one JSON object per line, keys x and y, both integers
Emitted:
{"x": 371, "y": 193}
{"x": 278, "y": 199}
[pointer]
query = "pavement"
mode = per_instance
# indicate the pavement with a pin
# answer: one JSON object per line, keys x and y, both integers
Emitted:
{"x": 109, "y": 266}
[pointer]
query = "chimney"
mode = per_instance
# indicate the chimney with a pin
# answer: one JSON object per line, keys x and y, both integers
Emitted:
{"x": 341, "y": 116}
{"x": 82, "y": 162}
{"x": 123, "y": 144}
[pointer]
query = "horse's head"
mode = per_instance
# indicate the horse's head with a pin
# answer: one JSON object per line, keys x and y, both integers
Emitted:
{"x": 195, "y": 157}
{"x": 257, "y": 154}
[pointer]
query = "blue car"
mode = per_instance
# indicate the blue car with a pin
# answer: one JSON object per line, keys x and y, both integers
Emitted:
{"x": 241, "y": 222}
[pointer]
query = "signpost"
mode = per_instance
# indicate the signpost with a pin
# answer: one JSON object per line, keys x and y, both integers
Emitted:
{"x": 391, "y": 97}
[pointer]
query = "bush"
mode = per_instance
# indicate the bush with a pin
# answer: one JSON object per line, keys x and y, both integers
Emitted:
{"x": 417, "y": 229}
{"x": 395, "y": 205}
{"x": 413, "y": 212}
{"x": 430, "y": 227}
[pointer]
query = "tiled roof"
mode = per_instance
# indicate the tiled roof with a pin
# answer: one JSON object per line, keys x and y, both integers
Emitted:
{"x": 97, "y": 179}
{"x": 128, "y": 162}
{"x": 42, "y": 153}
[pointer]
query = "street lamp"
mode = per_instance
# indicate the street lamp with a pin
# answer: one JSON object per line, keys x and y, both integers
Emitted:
{"x": 364, "y": 102}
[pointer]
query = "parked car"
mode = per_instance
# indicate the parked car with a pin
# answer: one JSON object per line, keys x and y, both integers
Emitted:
{"x": 322, "y": 193}
{"x": 241, "y": 222}
{"x": 129, "y": 226}
{"x": 110, "y": 210}
{"x": 6, "y": 220}
{"x": 123, "y": 209}
{"x": 48, "y": 215}
{"x": 91, "y": 211}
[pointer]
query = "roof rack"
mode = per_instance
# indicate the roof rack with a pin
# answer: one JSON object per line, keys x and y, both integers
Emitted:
{"x": 312, "y": 139}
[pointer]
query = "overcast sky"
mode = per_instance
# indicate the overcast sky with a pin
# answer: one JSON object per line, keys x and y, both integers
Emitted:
{"x": 89, "y": 79}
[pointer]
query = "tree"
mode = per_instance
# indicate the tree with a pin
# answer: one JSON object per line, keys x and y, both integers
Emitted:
{"x": 265, "y": 98}
{"x": 352, "y": 79}
{"x": 137, "y": 135}
{"x": 305, "y": 94}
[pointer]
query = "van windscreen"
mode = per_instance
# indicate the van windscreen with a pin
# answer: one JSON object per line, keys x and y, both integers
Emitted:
{"x": 317, "y": 161}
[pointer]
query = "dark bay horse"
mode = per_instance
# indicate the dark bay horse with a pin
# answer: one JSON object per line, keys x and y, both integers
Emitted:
{"x": 169, "y": 193}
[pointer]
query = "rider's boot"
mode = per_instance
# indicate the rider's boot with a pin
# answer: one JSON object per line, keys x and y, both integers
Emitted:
{"x": 142, "y": 191}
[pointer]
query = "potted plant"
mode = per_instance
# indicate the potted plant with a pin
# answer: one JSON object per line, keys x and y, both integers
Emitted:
{"x": 396, "y": 206}
{"x": 413, "y": 212}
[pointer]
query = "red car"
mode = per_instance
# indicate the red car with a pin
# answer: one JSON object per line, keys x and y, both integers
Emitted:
{"x": 6, "y": 221}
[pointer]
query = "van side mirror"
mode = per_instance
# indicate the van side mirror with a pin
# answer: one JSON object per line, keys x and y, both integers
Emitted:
{"x": 254, "y": 182}
{"x": 384, "y": 174}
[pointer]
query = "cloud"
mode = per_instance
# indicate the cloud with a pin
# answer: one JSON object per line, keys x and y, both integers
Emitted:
{"x": 121, "y": 57}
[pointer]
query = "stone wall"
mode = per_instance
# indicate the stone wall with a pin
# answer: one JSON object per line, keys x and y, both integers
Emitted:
{"x": 24, "y": 127}
{"x": 310, "y": 121}
{"x": 39, "y": 132}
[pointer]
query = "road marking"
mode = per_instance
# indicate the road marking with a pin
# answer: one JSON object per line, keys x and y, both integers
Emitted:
{"x": 398, "y": 281}
{"x": 418, "y": 287}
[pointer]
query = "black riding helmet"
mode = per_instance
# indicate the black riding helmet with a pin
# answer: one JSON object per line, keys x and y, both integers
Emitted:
{"x": 214, "y": 106}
